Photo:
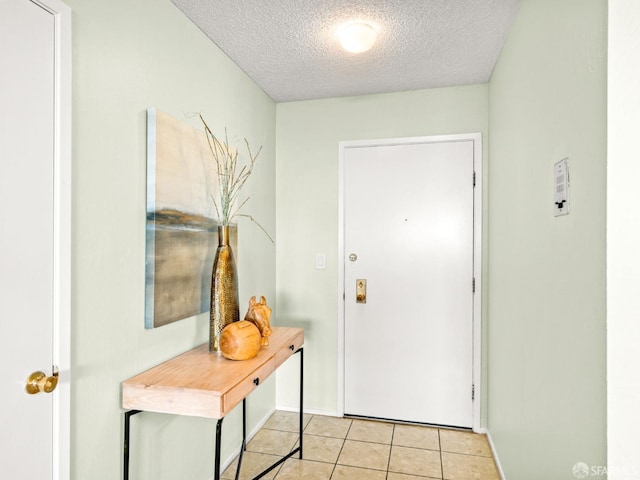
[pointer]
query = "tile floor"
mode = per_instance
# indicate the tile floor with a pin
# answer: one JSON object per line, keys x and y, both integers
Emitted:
{"x": 346, "y": 449}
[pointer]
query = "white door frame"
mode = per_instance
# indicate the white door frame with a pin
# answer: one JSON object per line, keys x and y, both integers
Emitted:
{"x": 477, "y": 256}
{"x": 62, "y": 236}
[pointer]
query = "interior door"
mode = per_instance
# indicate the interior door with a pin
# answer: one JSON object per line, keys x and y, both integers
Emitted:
{"x": 28, "y": 295}
{"x": 408, "y": 331}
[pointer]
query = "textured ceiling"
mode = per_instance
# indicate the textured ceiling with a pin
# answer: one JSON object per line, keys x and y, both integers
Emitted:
{"x": 289, "y": 48}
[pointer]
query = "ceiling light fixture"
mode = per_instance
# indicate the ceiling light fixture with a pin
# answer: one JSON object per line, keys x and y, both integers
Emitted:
{"x": 356, "y": 37}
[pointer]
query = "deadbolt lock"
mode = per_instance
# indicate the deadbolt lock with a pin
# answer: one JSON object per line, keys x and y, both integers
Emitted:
{"x": 361, "y": 290}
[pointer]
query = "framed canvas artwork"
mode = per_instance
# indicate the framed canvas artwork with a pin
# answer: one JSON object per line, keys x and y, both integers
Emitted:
{"x": 181, "y": 228}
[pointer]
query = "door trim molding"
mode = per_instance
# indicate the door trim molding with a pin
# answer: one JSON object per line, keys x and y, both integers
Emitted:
{"x": 62, "y": 235}
{"x": 477, "y": 256}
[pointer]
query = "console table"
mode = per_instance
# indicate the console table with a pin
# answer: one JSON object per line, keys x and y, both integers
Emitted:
{"x": 202, "y": 384}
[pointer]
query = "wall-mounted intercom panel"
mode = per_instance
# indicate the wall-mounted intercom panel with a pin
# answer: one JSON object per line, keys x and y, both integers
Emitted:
{"x": 561, "y": 197}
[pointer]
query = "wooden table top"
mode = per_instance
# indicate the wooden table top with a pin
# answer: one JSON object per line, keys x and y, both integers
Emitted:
{"x": 203, "y": 384}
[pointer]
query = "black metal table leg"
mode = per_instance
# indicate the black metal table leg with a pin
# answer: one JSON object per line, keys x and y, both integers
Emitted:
{"x": 127, "y": 430}
{"x": 218, "y": 445}
{"x": 244, "y": 437}
{"x": 244, "y": 423}
{"x": 301, "y": 397}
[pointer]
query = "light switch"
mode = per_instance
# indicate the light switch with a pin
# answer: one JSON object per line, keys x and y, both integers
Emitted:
{"x": 561, "y": 187}
{"x": 321, "y": 261}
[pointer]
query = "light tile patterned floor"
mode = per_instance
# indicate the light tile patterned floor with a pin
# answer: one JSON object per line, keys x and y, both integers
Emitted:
{"x": 346, "y": 449}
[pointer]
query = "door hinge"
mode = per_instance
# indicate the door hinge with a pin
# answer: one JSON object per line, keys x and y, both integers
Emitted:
{"x": 473, "y": 391}
{"x": 473, "y": 285}
{"x": 474, "y": 179}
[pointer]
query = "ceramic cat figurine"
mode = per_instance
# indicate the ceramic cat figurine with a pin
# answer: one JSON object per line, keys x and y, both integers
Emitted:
{"x": 259, "y": 314}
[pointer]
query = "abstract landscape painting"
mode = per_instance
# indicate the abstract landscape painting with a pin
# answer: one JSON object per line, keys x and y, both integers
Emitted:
{"x": 181, "y": 228}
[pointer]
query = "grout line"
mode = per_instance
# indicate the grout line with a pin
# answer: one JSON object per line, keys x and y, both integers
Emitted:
{"x": 304, "y": 428}
{"x": 440, "y": 452}
{"x": 333, "y": 470}
{"x": 412, "y": 448}
{"x": 349, "y": 429}
{"x": 467, "y": 454}
{"x": 393, "y": 432}
{"x": 339, "y": 453}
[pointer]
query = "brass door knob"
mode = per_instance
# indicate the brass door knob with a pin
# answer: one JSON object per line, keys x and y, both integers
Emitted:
{"x": 40, "y": 382}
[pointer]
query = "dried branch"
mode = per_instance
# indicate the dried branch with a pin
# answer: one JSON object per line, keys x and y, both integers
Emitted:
{"x": 230, "y": 180}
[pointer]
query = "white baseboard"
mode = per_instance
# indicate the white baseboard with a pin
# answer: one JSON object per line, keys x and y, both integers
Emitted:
{"x": 308, "y": 411}
{"x": 495, "y": 456}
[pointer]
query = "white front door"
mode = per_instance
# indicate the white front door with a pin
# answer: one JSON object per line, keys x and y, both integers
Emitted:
{"x": 33, "y": 240}
{"x": 409, "y": 240}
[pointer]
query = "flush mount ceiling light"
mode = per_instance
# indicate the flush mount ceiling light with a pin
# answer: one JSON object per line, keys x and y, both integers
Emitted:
{"x": 356, "y": 37}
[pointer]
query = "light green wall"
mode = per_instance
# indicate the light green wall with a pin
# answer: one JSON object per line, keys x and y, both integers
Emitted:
{"x": 547, "y": 326}
{"x": 128, "y": 56}
{"x": 308, "y": 134}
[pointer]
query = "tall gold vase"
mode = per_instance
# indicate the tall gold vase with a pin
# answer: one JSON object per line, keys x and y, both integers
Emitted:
{"x": 225, "y": 307}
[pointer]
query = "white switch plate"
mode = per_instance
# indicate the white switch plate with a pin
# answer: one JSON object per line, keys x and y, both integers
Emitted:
{"x": 321, "y": 261}
{"x": 561, "y": 187}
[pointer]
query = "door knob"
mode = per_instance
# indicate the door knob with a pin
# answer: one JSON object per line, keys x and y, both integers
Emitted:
{"x": 40, "y": 382}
